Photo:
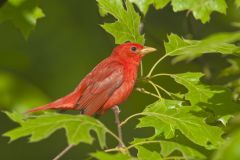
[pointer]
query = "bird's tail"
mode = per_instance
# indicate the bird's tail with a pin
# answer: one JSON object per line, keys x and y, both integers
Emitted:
{"x": 65, "y": 103}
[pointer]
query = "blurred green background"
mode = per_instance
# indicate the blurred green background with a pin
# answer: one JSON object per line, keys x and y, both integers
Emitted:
{"x": 66, "y": 45}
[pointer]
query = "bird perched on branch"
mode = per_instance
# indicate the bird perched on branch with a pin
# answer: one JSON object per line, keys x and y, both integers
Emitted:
{"x": 107, "y": 85}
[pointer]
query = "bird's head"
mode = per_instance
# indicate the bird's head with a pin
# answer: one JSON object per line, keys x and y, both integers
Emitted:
{"x": 131, "y": 51}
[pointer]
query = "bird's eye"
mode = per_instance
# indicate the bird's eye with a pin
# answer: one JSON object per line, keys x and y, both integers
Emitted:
{"x": 133, "y": 49}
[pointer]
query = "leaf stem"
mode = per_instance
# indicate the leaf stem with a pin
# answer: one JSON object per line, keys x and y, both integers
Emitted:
{"x": 115, "y": 136}
{"x": 112, "y": 149}
{"x": 141, "y": 143}
{"x": 131, "y": 146}
{"x": 160, "y": 74}
{"x": 155, "y": 65}
{"x": 64, "y": 151}
{"x": 141, "y": 69}
{"x": 122, "y": 148}
{"x": 142, "y": 90}
{"x": 164, "y": 90}
{"x": 130, "y": 117}
{"x": 156, "y": 89}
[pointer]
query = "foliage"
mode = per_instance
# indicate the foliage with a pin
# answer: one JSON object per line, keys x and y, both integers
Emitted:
{"x": 201, "y": 12}
{"x": 144, "y": 4}
{"x": 22, "y": 13}
{"x": 77, "y": 127}
{"x": 188, "y": 153}
{"x": 237, "y": 3}
{"x": 126, "y": 28}
{"x": 199, "y": 115}
{"x": 145, "y": 154}
{"x": 191, "y": 49}
{"x": 106, "y": 156}
{"x": 230, "y": 149}
{"x": 167, "y": 116}
{"x": 166, "y": 149}
{"x": 197, "y": 92}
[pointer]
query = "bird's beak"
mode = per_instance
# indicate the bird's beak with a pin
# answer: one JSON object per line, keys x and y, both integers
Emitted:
{"x": 147, "y": 50}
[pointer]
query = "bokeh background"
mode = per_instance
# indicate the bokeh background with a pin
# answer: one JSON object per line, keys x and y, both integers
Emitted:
{"x": 66, "y": 45}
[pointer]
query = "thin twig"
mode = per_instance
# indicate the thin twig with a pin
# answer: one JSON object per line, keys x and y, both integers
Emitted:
{"x": 141, "y": 143}
{"x": 156, "y": 89}
{"x": 142, "y": 90}
{"x": 130, "y": 117}
{"x": 141, "y": 26}
{"x": 115, "y": 136}
{"x": 63, "y": 152}
{"x": 141, "y": 69}
{"x": 112, "y": 149}
{"x": 155, "y": 65}
{"x": 133, "y": 145}
{"x": 164, "y": 90}
{"x": 116, "y": 111}
{"x": 160, "y": 74}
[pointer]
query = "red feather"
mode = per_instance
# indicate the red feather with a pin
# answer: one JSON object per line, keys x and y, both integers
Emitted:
{"x": 107, "y": 85}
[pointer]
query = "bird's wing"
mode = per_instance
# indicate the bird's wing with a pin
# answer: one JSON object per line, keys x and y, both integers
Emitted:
{"x": 101, "y": 84}
{"x": 93, "y": 91}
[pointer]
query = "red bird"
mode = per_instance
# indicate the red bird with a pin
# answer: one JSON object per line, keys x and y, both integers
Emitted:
{"x": 107, "y": 85}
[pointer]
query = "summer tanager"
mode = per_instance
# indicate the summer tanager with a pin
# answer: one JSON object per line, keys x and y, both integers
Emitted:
{"x": 107, "y": 85}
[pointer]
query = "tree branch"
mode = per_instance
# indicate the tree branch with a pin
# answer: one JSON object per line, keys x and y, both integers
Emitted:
{"x": 117, "y": 120}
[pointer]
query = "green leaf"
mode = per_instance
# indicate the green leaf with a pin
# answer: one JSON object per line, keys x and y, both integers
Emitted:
{"x": 126, "y": 28}
{"x": 221, "y": 105}
{"x": 197, "y": 92}
{"x": 225, "y": 119}
{"x": 145, "y": 154}
{"x": 190, "y": 49}
{"x": 15, "y": 116}
{"x": 235, "y": 87}
{"x": 108, "y": 156}
{"x": 201, "y": 9}
{"x": 167, "y": 116}
{"x": 168, "y": 147}
{"x": 143, "y": 5}
{"x": 77, "y": 128}
{"x": 237, "y": 3}
{"x": 233, "y": 69}
{"x": 230, "y": 149}
{"x": 22, "y": 13}
{"x": 201, "y": 12}
{"x": 16, "y": 2}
